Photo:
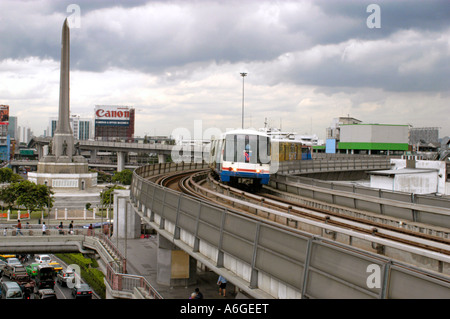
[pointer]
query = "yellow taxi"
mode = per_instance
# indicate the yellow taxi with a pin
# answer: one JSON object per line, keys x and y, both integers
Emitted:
{"x": 6, "y": 256}
{"x": 56, "y": 266}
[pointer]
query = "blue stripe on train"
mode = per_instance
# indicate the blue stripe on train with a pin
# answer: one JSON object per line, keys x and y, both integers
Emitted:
{"x": 225, "y": 176}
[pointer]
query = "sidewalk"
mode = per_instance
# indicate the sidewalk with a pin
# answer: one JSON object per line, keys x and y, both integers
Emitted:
{"x": 141, "y": 257}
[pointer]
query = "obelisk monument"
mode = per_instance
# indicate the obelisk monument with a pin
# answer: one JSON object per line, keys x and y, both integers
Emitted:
{"x": 61, "y": 168}
{"x": 63, "y": 142}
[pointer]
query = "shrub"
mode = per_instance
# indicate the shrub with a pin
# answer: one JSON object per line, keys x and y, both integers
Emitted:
{"x": 92, "y": 276}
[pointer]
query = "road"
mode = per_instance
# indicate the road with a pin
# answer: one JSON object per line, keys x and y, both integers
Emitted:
{"x": 62, "y": 292}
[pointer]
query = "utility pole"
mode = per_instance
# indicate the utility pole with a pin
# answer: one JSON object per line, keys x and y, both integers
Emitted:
{"x": 243, "y": 74}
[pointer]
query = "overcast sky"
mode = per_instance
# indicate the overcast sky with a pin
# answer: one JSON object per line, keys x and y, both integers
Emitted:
{"x": 177, "y": 62}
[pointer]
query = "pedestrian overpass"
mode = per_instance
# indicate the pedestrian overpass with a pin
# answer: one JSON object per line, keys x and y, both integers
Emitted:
{"x": 119, "y": 284}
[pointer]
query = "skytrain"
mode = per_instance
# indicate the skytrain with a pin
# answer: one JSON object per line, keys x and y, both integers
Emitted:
{"x": 241, "y": 156}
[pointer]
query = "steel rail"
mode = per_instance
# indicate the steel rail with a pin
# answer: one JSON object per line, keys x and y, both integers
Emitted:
{"x": 425, "y": 247}
{"x": 331, "y": 217}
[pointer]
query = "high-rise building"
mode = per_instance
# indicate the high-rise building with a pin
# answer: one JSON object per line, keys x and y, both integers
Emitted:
{"x": 13, "y": 129}
{"x": 4, "y": 136}
{"x": 81, "y": 127}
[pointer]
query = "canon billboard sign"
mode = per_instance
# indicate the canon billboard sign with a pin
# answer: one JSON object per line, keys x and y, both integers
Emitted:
{"x": 112, "y": 115}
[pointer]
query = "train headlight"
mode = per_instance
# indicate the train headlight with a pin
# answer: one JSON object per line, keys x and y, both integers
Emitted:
{"x": 234, "y": 169}
{"x": 258, "y": 171}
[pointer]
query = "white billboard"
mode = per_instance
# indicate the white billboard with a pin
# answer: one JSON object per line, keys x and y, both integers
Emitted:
{"x": 110, "y": 115}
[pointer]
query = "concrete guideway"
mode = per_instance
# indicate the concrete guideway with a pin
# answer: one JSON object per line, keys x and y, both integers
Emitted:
{"x": 190, "y": 223}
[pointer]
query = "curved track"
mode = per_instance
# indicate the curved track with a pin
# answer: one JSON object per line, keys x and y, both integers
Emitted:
{"x": 199, "y": 183}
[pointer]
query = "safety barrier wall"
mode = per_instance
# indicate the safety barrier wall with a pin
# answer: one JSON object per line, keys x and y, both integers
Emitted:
{"x": 272, "y": 256}
{"x": 417, "y": 208}
{"x": 335, "y": 165}
{"x": 355, "y": 163}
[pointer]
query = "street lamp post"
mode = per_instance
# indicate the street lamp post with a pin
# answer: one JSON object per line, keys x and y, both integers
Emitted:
{"x": 243, "y": 74}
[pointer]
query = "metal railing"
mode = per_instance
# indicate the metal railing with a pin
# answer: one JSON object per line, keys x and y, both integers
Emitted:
{"x": 416, "y": 208}
{"x": 127, "y": 283}
{"x": 335, "y": 165}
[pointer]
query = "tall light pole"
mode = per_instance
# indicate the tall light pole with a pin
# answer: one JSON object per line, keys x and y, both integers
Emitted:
{"x": 243, "y": 74}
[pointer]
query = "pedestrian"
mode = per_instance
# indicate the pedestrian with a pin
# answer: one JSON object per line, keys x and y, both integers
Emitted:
{"x": 193, "y": 295}
{"x": 71, "y": 227}
{"x": 198, "y": 294}
{"x": 44, "y": 228}
{"x": 60, "y": 227}
{"x": 222, "y": 282}
{"x": 19, "y": 227}
{"x": 5, "y": 231}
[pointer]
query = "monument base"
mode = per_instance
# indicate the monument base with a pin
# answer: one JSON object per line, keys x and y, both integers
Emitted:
{"x": 62, "y": 167}
{"x": 64, "y": 181}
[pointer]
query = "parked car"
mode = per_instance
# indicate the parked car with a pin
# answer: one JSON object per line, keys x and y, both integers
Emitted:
{"x": 95, "y": 225}
{"x": 32, "y": 269}
{"x": 16, "y": 273}
{"x": 11, "y": 290}
{"x": 2, "y": 267}
{"x": 82, "y": 291}
{"x": 4, "y": 257}
{"x": 13, "y": 261}
{"x": 56, "y": 266}
{"x": 45, "y": 294}
{"x": 43, "y": 259}
{"x": 10, "y": 262}
{"x": 65, "y": 276}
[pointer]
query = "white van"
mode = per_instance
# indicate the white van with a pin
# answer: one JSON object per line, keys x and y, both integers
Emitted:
{"x": 11, "y": 290}
{"x": 43, "y": 259}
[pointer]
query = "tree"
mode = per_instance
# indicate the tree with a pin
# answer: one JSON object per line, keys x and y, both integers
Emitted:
{"x": 8, "y": 196}
{"x": 102, "y": 177}
{"x": 107, "y": 197}
{"x": 123, "y": 177}
{"x": 44, "y": 195}
{"x": 27, "y": 194}
{"x": 7, "y": 175}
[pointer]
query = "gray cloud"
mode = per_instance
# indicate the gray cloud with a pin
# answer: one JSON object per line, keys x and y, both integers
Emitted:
{"x": 191, "y": 53}
{"x": 157, "y": 36}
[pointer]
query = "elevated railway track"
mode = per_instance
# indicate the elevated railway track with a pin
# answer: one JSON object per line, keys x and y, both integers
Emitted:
{"x": 425, "y": 254}
{"x": 202, "y": 184}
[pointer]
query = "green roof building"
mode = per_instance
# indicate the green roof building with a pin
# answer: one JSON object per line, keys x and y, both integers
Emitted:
{"x": 373, "y": 139}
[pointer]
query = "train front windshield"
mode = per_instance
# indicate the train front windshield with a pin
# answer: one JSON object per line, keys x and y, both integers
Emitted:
{"x": 253, "y": 149}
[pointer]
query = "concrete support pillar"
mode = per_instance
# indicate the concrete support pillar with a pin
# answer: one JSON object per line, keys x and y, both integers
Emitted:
{"x": 120, "y": 161}
{"x": 93, "y": 155}
{"x": 42, "y": 151}
{"x": 161, "y": 158}
{"x": 175, "y": 268}
{"x": 127, "y": 224}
